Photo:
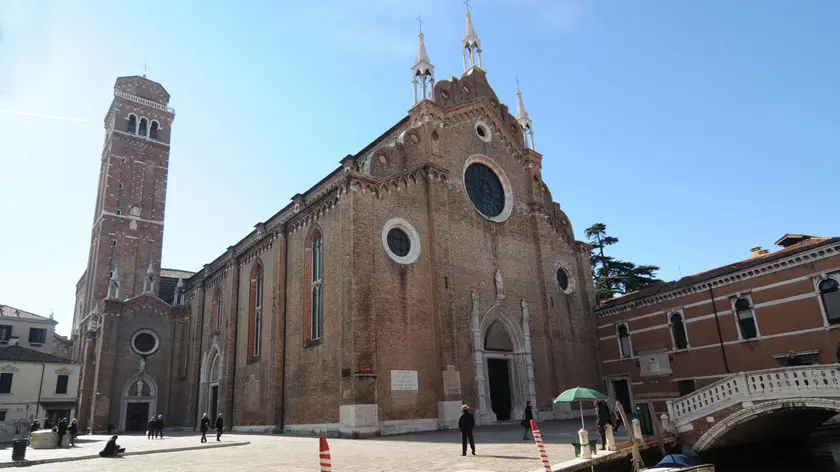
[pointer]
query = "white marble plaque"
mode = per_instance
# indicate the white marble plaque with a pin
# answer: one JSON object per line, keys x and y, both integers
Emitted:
{"x": 451, "y": 381}
{"x": 404, "y": 381}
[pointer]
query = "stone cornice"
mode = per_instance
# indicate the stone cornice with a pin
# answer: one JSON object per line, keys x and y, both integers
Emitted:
{"x": 794, "y": 260}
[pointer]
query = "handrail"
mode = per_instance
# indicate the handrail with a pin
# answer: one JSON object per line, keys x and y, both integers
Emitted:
{"x": 753, "y": 385}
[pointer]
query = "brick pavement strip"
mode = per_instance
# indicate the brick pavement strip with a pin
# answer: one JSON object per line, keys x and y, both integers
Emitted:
{"x": 499, "y": 449}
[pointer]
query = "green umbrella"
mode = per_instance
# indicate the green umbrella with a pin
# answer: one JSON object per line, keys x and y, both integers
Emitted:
{"x": 580, "y": 394}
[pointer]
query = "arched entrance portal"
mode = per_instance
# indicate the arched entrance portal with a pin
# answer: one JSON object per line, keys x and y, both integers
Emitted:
{"x": 139, "y": 404}
{"x": 498, "y": 350}
{"x": 210, "y": 385}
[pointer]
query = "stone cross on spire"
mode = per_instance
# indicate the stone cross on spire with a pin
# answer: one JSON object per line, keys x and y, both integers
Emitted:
{"x": 471, "y": 43}
{"x": 423, "y": 71}
{"x": 145, "y": 69}
{"x": 523, "y": 119}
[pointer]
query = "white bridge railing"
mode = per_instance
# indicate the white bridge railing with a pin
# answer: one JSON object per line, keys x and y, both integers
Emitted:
{"x": 772, "y": 384}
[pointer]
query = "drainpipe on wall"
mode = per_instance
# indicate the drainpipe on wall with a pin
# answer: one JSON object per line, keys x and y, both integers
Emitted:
{"x": 285, "y": 308}
{"x": 40, "y": 389}
{"x": 720, "y": 336}
{"x": 199, "y": 332}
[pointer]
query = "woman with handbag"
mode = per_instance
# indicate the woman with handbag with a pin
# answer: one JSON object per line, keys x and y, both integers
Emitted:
{"x": 526, "y": 420}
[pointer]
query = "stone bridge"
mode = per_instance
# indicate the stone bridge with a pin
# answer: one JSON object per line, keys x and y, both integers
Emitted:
{"x": 766, "y": 405}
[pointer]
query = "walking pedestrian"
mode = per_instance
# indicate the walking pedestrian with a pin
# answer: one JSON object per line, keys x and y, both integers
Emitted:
{"x": 152, "y": 431}
{"x": 220, "y": 425}
{"x": 203, "y": 427}
{"x": 603, "y": 418}
{"x": 73, "y": 429}
{"x": 466, "y": 423}
{"x": 526, "y": 419}
{"x": 160, "y": 426}
{"x": 62, "y": 430}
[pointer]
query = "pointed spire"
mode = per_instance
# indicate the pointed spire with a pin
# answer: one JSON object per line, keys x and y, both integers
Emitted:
{"x": 471, "y": 44}
{"x": 524, "y": 120}
{"x": 423, "y": 71}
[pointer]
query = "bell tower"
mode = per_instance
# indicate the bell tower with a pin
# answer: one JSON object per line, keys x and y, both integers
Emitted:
{"x": 127, "y": 233}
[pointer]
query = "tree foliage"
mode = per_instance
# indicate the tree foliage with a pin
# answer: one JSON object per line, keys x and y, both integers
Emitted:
{"x": 614, "y": 277}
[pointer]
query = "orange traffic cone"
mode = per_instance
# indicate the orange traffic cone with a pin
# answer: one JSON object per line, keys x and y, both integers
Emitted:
{"x": 326, "y": 462}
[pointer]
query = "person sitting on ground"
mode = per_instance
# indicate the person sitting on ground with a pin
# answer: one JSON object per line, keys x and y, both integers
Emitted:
{"x": 112, "y": 449}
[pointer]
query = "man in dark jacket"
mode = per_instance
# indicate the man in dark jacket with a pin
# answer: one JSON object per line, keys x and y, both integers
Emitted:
{"x": 152, "y": 432}
{"x": 112, "y": 449}
{"x": 160, "y": 426}
{"x": 220, "y": 425}
{"x": 526, "y": 420}
{"x": 466, "y": 423}
{"x": 203, "y": 427}
{"x": 602, "y": 412}
{"x": 62, "y": 430}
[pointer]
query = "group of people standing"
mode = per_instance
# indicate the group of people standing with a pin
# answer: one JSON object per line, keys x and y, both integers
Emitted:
{"x": 155, "y": 427}
{"x": 62, "y": 429}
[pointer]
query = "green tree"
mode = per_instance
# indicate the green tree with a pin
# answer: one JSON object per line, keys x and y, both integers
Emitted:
{"x": 614, "y": 277}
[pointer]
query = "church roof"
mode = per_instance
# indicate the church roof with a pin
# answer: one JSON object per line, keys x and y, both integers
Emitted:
{"x": 22, "y": 354}
{"x": 11, "y": 312}
{"x": 313, "y": 188}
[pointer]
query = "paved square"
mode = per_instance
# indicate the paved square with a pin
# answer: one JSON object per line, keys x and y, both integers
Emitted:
{"x": 499, "y": 449}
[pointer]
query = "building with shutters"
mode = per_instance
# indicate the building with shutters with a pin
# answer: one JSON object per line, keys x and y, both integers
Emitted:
{"x": 668, "y": 340}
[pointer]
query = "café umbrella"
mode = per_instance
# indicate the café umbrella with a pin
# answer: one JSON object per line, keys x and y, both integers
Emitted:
{"x": 580, "y": 394}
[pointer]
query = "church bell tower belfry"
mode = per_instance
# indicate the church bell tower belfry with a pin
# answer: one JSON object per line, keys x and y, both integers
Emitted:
{"x": 131, "y": 199}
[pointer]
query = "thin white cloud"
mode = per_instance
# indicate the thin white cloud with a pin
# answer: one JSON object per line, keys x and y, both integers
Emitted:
{"x": 45, "y": 116}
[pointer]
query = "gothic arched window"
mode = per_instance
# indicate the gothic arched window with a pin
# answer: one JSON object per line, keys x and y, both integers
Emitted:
{"x": 153, "y": 130}
{"x": 746, "y": 318}
{"x": 830, "y": 297}
{"x": 255, "y": 310}
{"x": 144, "y": 125}
{"x": 678, "y": 330}
{"x": 219, "y": 310}
{"x": 497, "y": 339}
{"x": 132, "y": 124}
{"x": 624, "y": 347}
{"x": 316, "y": 287}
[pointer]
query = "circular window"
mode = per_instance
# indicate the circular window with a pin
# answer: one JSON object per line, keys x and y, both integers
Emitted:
{"x": 485, "y": 190}
{"x": 488, "y": 188}
{"x": 483, "y": 132}
{"x": 401, "y": 241}
{"x": 398, "y": 242}
{"x": 562, "y": 279}
{"x": 144, "y": 342}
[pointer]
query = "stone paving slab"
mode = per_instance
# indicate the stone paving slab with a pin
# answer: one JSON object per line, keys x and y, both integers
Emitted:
{"x": 499, "y": 449}
{"x": 88, "y": 447}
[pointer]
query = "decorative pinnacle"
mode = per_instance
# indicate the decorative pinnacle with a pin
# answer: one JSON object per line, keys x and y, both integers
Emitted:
{"x": 145, "y": 69}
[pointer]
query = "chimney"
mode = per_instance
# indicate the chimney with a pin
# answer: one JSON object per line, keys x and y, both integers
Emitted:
{"x": 758, "y": 251}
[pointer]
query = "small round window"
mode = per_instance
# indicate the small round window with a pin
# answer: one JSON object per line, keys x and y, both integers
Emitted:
{"x": 144, "y": 342}
{"x": 562, "y": 279}
{"x": 401, "y": 241}
{"x": 398, "y": 242}
{"x": 483, "y": 132}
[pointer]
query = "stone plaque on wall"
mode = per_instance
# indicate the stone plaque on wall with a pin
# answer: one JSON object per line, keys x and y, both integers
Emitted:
{"x": 451, "y": 381}
{"x": 404, "y": 381}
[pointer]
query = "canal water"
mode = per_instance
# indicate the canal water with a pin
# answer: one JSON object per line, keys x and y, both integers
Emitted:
{"x": 815, "y": 455}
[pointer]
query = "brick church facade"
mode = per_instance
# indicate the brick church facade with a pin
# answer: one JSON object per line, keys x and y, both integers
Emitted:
{"x": 430, "y": 269}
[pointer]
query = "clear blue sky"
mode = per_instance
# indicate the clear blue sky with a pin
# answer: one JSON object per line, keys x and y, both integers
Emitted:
{"x": 694, "y": 130}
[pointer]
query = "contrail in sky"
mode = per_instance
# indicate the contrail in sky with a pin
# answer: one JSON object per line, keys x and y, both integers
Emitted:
{"x": 41, "y": 115}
